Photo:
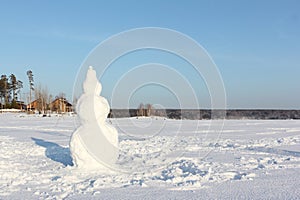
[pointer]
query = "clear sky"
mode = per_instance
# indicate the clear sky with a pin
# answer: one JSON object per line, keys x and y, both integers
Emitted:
{"x": 255, "y": 44}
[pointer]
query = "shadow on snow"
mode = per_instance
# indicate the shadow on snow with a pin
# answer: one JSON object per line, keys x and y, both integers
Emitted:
{"x": 274, "y": 151}
{"x": 55, "y": 152}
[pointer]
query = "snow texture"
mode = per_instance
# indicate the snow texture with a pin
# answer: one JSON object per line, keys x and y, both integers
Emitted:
{"x": 94, "y": 144}
{"x": 250, "y": 160}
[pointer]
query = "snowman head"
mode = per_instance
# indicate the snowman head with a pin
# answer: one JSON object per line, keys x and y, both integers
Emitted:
{"x": 91, "y": 85}
{"x": 91, "y": 106}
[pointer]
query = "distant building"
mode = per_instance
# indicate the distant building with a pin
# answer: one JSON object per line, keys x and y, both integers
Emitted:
{"x": 21, "y": 105}
{"x": 33, "y": 105}
{"x": 61, "y": 105}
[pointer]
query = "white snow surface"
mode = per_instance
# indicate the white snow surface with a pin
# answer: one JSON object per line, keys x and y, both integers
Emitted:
{"x": 249, "y": 160}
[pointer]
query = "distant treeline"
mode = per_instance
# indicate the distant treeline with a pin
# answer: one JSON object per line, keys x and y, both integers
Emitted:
{"x": 196, "y": 114}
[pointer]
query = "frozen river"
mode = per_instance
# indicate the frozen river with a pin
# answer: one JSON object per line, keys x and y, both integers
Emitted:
{"x": 159, "y": 159}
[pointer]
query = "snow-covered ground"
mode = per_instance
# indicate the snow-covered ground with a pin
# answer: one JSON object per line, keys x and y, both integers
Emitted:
{"x": 159, "y": 159}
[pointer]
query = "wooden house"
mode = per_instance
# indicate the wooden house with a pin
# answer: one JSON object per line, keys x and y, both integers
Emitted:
{"x": 21, "y": 105}
{"x": 32, "y": 106}
{"x": 61, "y": 105}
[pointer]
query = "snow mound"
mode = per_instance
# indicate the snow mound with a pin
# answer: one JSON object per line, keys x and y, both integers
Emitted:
{"x": 182, "y": 173}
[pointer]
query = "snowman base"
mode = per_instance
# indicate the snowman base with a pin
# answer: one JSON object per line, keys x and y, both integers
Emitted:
{"x": 82, "y": 159}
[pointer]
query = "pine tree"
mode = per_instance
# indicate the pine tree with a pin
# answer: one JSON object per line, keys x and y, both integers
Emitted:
{"x": 5, "y": 90}
{"x": 31, "y": 85}
{"x": 13, "y": 87}
{"x": 19, "y": 86}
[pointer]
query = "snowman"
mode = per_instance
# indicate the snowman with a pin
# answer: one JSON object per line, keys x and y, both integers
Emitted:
{"x": 94, "y": 144}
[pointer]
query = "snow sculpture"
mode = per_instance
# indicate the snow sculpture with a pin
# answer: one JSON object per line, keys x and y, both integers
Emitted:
{"x": 94, "y": 145}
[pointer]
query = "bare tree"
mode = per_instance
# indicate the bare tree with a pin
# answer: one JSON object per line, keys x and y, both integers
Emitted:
{"x": 50, "y": 99}
{"x": 38, "y": 98}
{"x": 42, "y": 98}
{"x": 45, "y": 96}
{"x": 149, "y": 109}
{"x": 141, "y": 110}
{"x": 75, "y": 100}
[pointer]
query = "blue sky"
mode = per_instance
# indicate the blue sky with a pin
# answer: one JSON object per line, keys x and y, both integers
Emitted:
{"x": 255, "y": 44}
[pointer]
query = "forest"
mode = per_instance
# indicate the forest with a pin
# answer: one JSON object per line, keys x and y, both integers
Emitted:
{"x": 10, "y": 88}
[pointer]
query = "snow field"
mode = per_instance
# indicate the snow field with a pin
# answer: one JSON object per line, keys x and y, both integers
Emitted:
{"x": 35, "y": 161}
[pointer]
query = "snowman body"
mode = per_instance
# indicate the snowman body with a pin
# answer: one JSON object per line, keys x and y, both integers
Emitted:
{"x": 94, "y": 144}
